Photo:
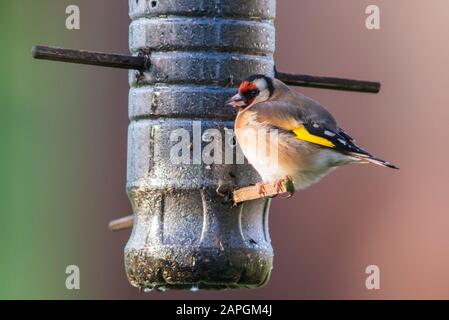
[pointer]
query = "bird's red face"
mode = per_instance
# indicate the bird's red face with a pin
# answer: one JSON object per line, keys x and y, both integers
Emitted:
{"x": 248, "y": 92}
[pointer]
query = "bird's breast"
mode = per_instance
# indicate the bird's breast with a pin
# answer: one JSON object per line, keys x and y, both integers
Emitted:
{"x": 276, "y": 153}
{"x": 261, "y": 145}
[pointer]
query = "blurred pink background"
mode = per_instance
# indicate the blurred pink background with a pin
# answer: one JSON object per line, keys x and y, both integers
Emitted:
{"x": 359, "y": 215}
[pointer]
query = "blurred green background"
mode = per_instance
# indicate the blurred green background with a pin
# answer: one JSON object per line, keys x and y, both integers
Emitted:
{"x": 47, "y": 111}
{"x": 39, "y": 165}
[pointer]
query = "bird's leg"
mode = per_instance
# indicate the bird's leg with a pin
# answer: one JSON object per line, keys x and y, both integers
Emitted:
{"x": 278, "y": 185}
{"x": 260, "y": 187}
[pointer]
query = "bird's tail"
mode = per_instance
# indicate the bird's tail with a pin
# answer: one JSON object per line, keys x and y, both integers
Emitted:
{"x": 370, "y": 159}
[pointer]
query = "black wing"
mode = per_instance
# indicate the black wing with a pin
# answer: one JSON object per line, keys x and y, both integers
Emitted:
{"x": 340, "y": 139}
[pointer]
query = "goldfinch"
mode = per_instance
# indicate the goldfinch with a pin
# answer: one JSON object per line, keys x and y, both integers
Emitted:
{"x": 307, "y": 143}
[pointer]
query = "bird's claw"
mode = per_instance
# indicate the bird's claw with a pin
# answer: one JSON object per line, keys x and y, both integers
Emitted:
{"x": 260, "y": 187}
{"x": 279, "y": 187}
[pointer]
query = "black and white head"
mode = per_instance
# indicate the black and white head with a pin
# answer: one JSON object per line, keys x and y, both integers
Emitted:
{"x": 255, "y": 89}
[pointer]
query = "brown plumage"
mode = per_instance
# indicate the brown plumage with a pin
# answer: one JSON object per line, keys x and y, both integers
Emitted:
{"x": 286, "y": 135}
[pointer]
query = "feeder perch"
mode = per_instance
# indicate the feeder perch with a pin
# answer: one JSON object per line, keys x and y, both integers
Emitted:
{"x": 187, "y": 57}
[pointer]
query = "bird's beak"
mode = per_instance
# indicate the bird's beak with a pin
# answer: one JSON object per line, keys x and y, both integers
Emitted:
{"x": 236, "y": 101}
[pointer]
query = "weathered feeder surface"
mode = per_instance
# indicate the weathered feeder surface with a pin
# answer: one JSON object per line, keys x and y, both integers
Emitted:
{"x": 184, "y": 233}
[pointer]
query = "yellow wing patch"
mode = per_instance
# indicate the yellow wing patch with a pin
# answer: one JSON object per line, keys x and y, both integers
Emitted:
{"x": 303, "y": 134}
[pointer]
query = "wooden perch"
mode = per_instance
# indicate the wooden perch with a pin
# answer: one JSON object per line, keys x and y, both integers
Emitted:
{"x": 238, "y": 196}
{"x": 251, "y": 193}
{"x": 121, "y": 223}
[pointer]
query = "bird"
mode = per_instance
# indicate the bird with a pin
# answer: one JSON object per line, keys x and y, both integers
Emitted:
{"x": 287, "y": 136}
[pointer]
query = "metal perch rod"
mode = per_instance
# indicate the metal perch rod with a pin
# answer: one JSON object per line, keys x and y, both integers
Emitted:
{"x": 90, "y": 58}
{"x": 328, "y": 83}
{"x": 142, "y": 63}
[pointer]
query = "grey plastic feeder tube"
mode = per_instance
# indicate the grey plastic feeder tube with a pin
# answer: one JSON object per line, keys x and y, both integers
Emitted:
{"x": 183, "y": 233}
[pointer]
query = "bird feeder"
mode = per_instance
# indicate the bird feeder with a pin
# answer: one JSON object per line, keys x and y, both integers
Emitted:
{"x": 194, "y": 224}
{"x": 184, "y": 233}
